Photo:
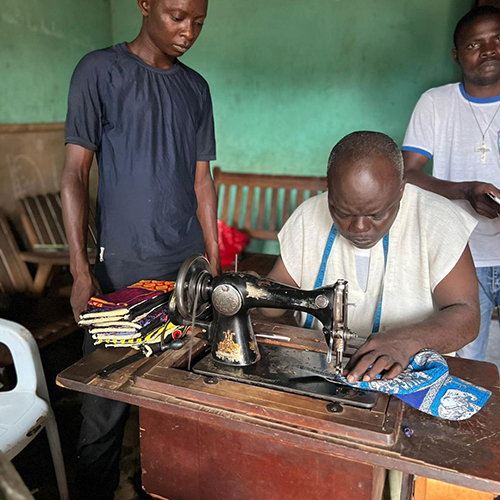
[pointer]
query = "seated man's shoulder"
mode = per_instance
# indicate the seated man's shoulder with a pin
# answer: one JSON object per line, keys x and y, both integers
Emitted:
{"x": 433, "y": 207}
{"x": 318, "y": 203}
{"x": 425, "y": 200}
{"x": 314, "y": 210}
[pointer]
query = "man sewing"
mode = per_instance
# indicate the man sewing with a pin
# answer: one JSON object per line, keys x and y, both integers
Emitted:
{"x": 404, "y": 252}
{"x": 458, "y": 126}
{"x": 148, "y": 119}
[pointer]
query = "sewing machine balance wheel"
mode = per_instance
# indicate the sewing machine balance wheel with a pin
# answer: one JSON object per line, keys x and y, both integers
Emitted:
{"x": 193, "y": 286}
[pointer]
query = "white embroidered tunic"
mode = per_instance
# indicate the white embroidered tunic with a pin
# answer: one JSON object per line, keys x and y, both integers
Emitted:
{"x": 425, "y": 242}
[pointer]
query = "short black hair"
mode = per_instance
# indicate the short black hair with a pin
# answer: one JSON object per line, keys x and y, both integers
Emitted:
{"x": 359, "y": 145}
{"x": 470, "y": 17}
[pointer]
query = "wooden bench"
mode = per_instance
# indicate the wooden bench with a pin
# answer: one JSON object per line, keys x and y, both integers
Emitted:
{"x": 14, "y": 274}
{"x": 42, "y": 221}
{"x": 48, "y": 319}
{"x": 259, "y": 204}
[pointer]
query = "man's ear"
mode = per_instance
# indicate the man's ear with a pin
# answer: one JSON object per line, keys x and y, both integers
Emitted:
{"x": 144, "y": 7}
{"x": 402, "y": 188}
{"x": 454, "y": 54}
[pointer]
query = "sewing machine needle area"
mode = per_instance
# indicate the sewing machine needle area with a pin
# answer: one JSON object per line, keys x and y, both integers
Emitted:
{"x": 291, "y": 370}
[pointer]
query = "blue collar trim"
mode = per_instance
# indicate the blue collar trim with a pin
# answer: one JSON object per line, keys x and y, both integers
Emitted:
{"x": 477, "y": 100}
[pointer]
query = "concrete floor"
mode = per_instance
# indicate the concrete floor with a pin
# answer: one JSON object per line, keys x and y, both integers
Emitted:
{"x": 34, "y": 464}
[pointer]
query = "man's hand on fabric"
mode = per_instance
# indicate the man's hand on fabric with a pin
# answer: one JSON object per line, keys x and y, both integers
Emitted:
{"x": 84, "y": 287}
{"x": 477, "y": 196}
{"x": 387, "y": 352}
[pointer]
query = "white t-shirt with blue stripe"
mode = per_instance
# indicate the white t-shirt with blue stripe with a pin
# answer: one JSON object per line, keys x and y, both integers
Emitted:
{"x": 443, "y": 128}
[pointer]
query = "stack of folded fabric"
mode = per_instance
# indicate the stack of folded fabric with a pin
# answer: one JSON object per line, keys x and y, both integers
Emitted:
{"x": 133, "y": 316}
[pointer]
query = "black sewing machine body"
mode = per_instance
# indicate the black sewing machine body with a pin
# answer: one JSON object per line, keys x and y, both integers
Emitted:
{"x": 235, "y": 294}
{"x": 222, "y": 305}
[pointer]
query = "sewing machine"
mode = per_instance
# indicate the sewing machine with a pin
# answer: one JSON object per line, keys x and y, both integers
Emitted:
{"x": 221, "y": 305}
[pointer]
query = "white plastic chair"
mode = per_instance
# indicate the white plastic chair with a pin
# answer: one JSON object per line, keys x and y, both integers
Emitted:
{"x": 25, "y": 410}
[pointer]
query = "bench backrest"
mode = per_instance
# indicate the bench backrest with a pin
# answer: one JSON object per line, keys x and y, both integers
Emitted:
{"x": 259, "y": 204}
{"x": 14, "y": 274}
{"x": 42, "y": 220}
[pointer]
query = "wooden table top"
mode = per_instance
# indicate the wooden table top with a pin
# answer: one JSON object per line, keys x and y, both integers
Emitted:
{"x": 465, "y": 453}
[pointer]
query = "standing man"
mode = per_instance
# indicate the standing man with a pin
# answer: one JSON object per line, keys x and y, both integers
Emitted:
{"x": 148, "y": 119}
{"x": 458, "y": 127}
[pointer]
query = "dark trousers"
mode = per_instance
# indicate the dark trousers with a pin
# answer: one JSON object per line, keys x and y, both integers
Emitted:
{"x": 100, "y": 443}
{"x": 101, "y": 434}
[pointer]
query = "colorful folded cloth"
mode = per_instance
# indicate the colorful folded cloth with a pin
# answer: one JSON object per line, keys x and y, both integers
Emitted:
{"x": 124, "y": 333}
{"x": 428, "y": 386}
{"x": 132, "y": 295}
{"x": 133, "y": 316}
{"x": 129, "y": 303}
{"x": 168, "y": 331}
{"x": 94, "y": 316}
{"x": 122, "y": 324}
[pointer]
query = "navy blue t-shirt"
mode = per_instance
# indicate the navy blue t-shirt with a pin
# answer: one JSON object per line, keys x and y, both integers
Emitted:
{"x": 148, "y": 127}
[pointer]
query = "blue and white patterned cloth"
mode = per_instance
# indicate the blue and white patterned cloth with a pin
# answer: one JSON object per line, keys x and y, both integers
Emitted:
{"x": 428, "y": 386}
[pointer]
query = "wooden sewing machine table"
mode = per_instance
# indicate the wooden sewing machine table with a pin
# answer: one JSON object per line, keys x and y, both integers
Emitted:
{"x": 226, "y": 440}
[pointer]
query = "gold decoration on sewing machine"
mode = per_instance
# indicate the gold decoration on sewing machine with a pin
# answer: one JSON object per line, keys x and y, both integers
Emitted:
{"x": 227, "y": 350}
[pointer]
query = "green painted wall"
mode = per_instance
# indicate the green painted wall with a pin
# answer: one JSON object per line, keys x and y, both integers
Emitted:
{"x": 289, "y": 78}
{"x": 40, "y": 43}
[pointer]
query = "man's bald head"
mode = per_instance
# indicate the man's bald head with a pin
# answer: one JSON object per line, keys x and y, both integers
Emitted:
{"x": 365, "y": 186}
{"x": 354, "y": 149}
{"x": 167, "y": 2}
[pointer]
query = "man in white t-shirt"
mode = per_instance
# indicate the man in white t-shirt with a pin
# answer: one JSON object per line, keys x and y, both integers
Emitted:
{"x": 404, "y": 252}
{"x": 458, "y": 127}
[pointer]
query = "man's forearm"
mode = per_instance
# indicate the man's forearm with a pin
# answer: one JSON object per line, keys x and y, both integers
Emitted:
{"x": 445, "y": 331}
{"x": 75, "y": 206}
{"x": 75, "y": 201}
{"x": 207, "y": 212}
